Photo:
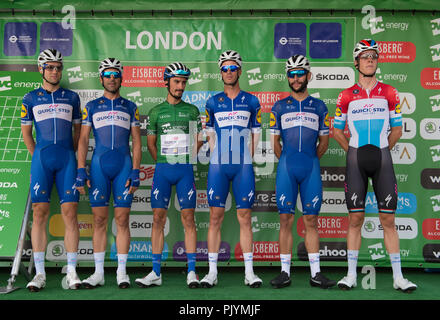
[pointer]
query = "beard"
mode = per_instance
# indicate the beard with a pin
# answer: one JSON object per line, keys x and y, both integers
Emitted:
{"x": 174, "y": 95}
{"x": 301, "y": 89}
{"x": 113, "y": 90}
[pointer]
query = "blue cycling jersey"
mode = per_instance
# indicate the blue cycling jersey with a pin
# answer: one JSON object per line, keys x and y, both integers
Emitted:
{"x": 53, "y": 114}
{"x": 232, "y": 120}
{"x": 299, "y": 123}
{"x": 54, "y": 158}
{"x": 111, "y": 121}
{"x": 111, "y": 164}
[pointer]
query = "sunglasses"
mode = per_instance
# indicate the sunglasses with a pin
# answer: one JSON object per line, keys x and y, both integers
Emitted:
{"x": 299, "y": 73}
{"x": 108, "y": 74}
{"x": 366, "y": 56}
{"x": 232, "y": 68}
{"x": 52, "y": 68}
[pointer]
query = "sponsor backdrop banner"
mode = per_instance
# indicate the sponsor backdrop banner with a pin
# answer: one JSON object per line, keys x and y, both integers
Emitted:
{"x": 410, "y": 61}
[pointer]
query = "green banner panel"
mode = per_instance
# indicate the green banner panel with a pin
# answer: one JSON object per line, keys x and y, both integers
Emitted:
{"x": 410, "y": 61}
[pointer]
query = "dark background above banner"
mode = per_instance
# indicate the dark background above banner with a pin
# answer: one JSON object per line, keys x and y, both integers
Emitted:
{"x": 158, "y": 5}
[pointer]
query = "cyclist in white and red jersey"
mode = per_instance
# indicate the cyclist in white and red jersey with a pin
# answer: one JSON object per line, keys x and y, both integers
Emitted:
{"x": 370, "y": 108}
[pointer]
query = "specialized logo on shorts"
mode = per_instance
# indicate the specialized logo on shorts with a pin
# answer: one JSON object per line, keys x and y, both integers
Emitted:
{"x": 23, "y": 111}
{"x": 259, "y": 116}
{"x": 282, "y": 198}
{"x": 338, "y": 112}
{"x": 398, "y": 109}
{"x": 136, "y": 115}
{"x": 95, "y": 193}
{"x": 156, "y": 193}
{"x": 84, "y": 114}
{"x": 273, "y": 120}
{"x": 36, "y": 188}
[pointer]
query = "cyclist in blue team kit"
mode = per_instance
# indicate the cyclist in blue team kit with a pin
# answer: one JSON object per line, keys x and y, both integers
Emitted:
{"x": 372, "y": 111}
{"x": 300, "y": 121}
{"x": 54, "y": 111}
{"x": 113, "y": 119}
{"x": 231, "y": 118}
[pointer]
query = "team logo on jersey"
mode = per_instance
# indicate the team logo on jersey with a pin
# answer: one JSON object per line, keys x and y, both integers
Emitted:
{"x": 40, "y": 93}
{"x": 23, "y": 111}
{"x": 84, "y": 114}
{"x": 136, "y": 115}
{"x": 273, "y": 120}
{"x": 221, "y": 99}
{"x": 259, "y": 116}
{"x": 355, "y": 91}
{"x": 398, "y": 109}
{"x": 327, "y": 121}
{"x": 338, "y": 112}
{"x": 207, "y": 116}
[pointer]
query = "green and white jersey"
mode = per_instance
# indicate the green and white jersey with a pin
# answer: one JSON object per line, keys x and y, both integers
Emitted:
{"x": 175, "y": 127}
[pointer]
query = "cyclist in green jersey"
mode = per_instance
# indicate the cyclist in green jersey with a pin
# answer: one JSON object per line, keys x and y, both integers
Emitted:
{"x": 173, "y": 130}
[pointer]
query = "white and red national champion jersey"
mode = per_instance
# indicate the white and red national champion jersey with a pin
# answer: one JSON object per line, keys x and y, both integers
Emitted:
{"x": 369, "y": 114}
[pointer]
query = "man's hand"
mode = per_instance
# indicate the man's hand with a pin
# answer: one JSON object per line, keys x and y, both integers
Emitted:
{"x": 82, "y": 178}
{"x": 133, "y": 181}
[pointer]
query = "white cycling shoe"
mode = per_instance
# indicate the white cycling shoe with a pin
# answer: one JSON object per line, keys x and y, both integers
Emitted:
{"x": 192, "y": 280}
{"x": 72, "y": 281}
{"x": 403, "y": 284}
{"x": 123, "y": 280}
{"x": 209, "y": 280}
{"x": 152, "y": 279}
{"x": 348, "y": 282}
{"x": 95, "y": 280}
{"x": 252, "y": 280}
{"x": 37, "y": 283}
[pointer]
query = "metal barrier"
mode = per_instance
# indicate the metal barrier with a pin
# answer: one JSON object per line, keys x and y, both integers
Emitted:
{"x": 17, "y": 266}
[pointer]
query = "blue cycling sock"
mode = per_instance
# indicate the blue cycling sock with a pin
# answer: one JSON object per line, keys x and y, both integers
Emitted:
{"x": 156, "y": 263}
{"x": 191, "y": 259}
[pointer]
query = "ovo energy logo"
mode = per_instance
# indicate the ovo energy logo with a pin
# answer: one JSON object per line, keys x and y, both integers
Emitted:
{"x": 435, "y": 102}
{"x": 435, "y": 52}
{"x": 74, "y": 74}
{"x": 5, "y": 83}
{"x": 254, "y": 76}
{"x": 435, "y": 26}
{"x": 135, "y": 97}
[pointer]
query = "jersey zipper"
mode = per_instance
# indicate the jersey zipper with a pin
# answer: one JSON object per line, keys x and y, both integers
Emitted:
{"x": 369, "y": 118}
{"x": 54, "y": 120}
{"x": 232, "y": 131}
{"x": 113, "y": 127}
{"x": 300, "y": 128}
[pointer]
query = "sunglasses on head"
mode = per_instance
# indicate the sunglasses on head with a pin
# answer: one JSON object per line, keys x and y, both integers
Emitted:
{"x": 108, "y": 74}
{"x": 182, "y": 73}
{"x": 299, "y": 73}
{"x": 52, "y": 68}
{"x": 369, "y": 55}
{"x": 232, "y": 67}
